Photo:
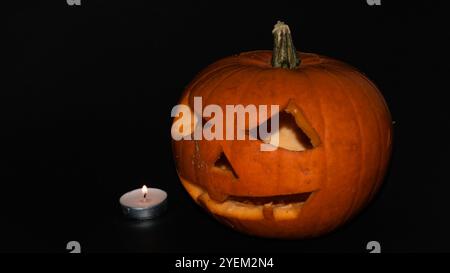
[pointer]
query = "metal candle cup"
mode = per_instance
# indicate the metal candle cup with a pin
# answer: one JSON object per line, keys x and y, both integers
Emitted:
{"x": 145, "y": 203}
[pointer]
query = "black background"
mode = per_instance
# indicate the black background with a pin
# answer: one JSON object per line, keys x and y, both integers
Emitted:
{"x": 85, "y": 117}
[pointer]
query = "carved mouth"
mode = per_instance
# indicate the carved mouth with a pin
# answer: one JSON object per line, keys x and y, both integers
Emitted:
{"x": 274, "y": 200}
{"x": 280, "y": 207}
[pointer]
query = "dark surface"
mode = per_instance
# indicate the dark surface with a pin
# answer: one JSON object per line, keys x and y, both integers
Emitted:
{"x": 85, "y": 117}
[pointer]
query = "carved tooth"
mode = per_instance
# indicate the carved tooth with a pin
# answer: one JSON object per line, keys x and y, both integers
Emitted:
{"x": 218, "y": 196}
{"x": 268, "y": 211}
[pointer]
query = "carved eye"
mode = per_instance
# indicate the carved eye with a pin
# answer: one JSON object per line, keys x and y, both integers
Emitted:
{"x": 293, "y": 133}
{"x": 185, "y": 121}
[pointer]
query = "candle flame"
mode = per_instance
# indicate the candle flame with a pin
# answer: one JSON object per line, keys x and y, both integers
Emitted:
{"x": 144, "y": 190}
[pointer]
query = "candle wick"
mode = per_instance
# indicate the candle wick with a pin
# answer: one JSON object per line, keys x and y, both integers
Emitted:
{"x": 145, "y": 196}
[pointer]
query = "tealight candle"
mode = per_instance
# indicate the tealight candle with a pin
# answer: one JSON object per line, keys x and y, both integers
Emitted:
{"x": 144, "y": 203}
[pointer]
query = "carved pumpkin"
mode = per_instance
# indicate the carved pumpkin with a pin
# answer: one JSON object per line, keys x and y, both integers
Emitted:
{"x": 335, "y": 143}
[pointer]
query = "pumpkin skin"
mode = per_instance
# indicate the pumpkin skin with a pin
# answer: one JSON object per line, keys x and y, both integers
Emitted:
{"x": 341, "y": 174}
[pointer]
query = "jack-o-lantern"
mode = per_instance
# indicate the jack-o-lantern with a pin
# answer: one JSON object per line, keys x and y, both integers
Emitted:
{"x": 335, "y": 135}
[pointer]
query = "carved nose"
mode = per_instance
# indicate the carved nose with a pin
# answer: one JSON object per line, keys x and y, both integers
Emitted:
{"x": 222, "y": 164}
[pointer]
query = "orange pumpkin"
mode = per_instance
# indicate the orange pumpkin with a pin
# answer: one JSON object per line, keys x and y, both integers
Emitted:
{"x": 335, "y": 143}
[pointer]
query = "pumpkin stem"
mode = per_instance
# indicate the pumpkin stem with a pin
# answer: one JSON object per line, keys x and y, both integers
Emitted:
{"x": 284, "y": 53}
